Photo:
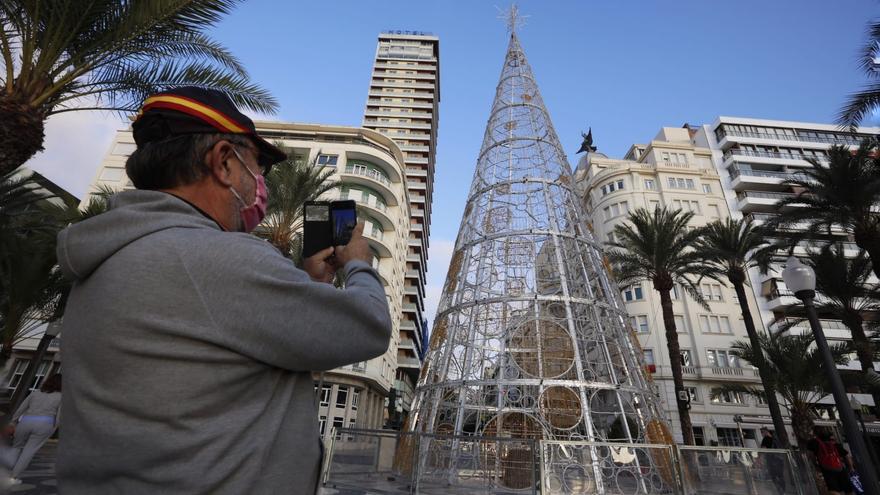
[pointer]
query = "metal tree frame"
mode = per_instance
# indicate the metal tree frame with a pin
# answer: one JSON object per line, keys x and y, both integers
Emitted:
{"x": 531, "y": 340}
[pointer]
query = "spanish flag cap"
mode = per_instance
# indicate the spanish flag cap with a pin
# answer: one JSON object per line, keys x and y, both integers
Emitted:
{"x": 194, "y": 110}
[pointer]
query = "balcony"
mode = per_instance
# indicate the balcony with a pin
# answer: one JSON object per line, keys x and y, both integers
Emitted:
{"x": 838, "y": 139}
{"x": 371, "y": 123}
{"x": 731, "y": 153}
{"x": 406, "y": 343}
{"x": 408, "y": 362}
{"x": 385, "y": 84}
{"x": 745, "y": 178}
{"x": 414, "y": 94}
{"x": 750, "y": 201}
{"x": 780, "y": 299}
{"x": 373, "y": 102}
{"x": 371, "y": 178}
{"x": 730, "y": 374}
{"x": 397, "y": 113}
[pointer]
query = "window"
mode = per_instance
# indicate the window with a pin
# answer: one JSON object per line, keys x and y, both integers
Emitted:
{"x": 354, "y": 400}
{"x": 124, "y": 149}
{"x": 338, "y": 423}
{"x": 640, "y": 323}
{"x": 653, "y": 205}
{"x": 680, "y": 325}
{"x": 680, "y": 183}
{"x": 633, "y": 293}
{"x": 711, "y": 292}
{"x": 330, "y": 160}
{"x": 322, "y": 424}
{"x": 715, "y": 324}
{"x": 726, "y": 397}
{"x": 665, "y": 157}
{"x": 649, "y": 356}
{"x": 611, "y": 187}
{"x": 692, "y": 392}
{"x": 18, "y": 373}
{"x": 325, "y": 395}
{"x": 649, "y": 184}
{"x": 707, "y": 188}
{"x": 729, "y": 437}
{"x": 686, "y": 357}
{"x": 342, "y": 397}
{"x": 699, "y": 436}
{"x": 715, "y": 210}
{"x": 722, "y": 359}
{"x": 610, "y": 237}
{"x": 112, "y": 174}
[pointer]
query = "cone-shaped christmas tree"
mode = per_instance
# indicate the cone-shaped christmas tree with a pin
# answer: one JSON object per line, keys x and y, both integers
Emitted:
{"x": 530, "y": 340}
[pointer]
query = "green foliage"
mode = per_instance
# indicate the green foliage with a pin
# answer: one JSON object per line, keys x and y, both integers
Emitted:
{"x": 291, "y": 184}
{"x": 657, "y": 246}
{"x": 115, "y": 53}
{"x": 842, "y": 194}
{"x": 864, "y": 102}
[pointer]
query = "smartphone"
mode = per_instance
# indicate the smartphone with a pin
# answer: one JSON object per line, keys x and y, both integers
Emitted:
{"x": 327, "y": 224}
{"x": 343, "y": 216}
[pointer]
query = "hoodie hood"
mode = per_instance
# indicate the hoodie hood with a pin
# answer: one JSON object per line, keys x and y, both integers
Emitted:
{"x": 83, "y": 246}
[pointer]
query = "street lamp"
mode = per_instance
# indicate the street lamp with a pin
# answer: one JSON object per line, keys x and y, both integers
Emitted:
{"x": 801, "y": 279}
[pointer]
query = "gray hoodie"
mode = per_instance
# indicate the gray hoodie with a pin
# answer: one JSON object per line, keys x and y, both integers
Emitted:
{"x": 188, "y": 351}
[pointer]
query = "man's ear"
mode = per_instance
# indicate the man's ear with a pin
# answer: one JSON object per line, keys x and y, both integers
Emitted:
{"x": 217, "y": 162}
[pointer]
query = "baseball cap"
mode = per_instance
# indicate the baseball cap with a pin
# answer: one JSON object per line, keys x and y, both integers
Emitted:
{"x": 194, "y": 110}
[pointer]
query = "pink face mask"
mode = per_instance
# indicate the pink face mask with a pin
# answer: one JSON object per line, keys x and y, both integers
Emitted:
{"x": 252, "y": 215}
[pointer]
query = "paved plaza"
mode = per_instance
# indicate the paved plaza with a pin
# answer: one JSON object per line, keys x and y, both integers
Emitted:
{"x": 39, "y": 479}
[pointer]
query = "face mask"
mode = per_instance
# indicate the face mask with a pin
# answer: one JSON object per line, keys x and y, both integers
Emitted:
{"x": 252, "y": 215}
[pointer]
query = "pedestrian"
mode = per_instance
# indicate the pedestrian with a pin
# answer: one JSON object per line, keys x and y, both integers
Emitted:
{"x": 34, "y": 422}
{"x": 832, "y": 460}
{"x": 189, "y": 344}
{"x": 775, "y": 461}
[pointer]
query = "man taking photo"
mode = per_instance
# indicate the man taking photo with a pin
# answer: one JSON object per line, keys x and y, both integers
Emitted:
{"x": 188, "y": 343}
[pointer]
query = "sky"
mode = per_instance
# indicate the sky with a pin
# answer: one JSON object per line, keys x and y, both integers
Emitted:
{"x": 624, "y": 68}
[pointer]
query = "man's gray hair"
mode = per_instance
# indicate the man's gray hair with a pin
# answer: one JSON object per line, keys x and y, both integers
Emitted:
{"x": 175, "y": 161}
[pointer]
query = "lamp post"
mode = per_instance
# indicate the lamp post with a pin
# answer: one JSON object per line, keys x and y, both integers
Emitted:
{"x": 801, "y": 279}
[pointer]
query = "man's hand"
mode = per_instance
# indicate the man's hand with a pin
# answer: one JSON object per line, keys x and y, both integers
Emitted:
{"x": 356, "y": 249}
{"x": 319, "y": 266}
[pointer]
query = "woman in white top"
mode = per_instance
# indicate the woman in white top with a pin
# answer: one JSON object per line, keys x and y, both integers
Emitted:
{"x": 37, "y": 418}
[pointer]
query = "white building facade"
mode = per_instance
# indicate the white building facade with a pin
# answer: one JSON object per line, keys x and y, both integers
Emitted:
{"x": 671, "y": 171}
{"x": 753, "y": 158}
{"x": 369, "y": 168}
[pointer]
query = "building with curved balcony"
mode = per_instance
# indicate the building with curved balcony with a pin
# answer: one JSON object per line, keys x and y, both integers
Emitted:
{"x": 369, "y": 168}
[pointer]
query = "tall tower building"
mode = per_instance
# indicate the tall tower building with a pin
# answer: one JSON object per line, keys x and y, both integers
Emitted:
{"x": 402, "y": 104}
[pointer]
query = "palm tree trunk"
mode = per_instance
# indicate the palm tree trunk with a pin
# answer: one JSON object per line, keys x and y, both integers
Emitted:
{"x": 674, "y": 349}
{"x": 864, "y": 350}
{"x": 766, "y": 379}
{"x": 21, "y": 132}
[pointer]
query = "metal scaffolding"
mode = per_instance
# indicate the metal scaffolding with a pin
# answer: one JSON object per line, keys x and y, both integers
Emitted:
{"x": 531, "y": 339}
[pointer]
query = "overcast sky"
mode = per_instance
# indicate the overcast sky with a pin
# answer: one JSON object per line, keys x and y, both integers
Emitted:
{"x": 626, "y": 68}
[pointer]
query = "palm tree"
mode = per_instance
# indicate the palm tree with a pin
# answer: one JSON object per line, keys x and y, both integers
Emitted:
{"x": 66, "y": 55}
{"x": 731, "y": 247}
{"x": 862, "y": 103}
{"x": 796, "y": 372}
{"x": 654, "y": 246}
{"x": 290, "y": 184}
{"x": 847, "y": 295}
{"x": 842, "y": 195}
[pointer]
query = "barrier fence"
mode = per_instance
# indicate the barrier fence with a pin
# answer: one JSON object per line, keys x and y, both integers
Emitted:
{"x": 381, "y": 461}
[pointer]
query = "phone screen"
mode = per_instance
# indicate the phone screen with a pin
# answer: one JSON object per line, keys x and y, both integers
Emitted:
{"x": 344, "y": 222}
